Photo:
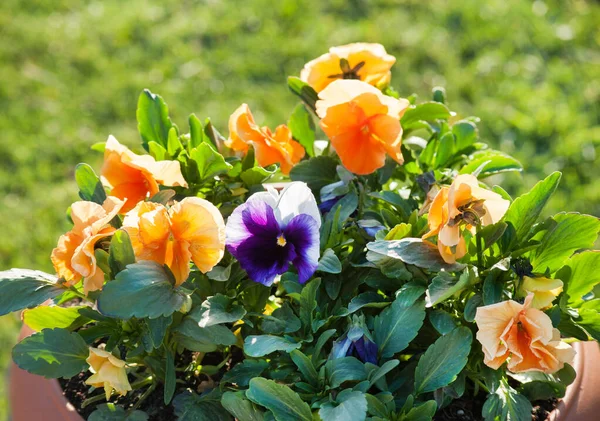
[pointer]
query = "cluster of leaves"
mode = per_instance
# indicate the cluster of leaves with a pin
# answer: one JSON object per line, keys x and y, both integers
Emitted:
{"x": 374, "y": 268}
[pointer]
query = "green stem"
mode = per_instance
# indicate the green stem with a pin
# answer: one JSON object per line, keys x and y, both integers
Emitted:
{"x": 93, "y": 399}
{"x": 361, "y": 197}
{"x": 481, "y": 385}
{"x": 479, "y": 242}
{"x": 144, "y": 396}
{"x": 142, "y": 383}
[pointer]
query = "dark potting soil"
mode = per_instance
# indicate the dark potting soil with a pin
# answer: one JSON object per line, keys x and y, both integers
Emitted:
{"x": 76, "y": 391}
{"x": 469, "y": 409}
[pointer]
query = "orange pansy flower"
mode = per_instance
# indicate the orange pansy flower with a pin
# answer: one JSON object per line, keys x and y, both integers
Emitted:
{"x": 73, "y": 257}
{"x": 462, "y": 206}
{"x": 192, "y": 229}
{"x": 367, "y": 62}
{"x": 270, "y": 148}
{"x": 523, "y": 335}
{"x": 362, "y": 123}
{"x": 108, "y": 372}
{"x": 136, "y": 177}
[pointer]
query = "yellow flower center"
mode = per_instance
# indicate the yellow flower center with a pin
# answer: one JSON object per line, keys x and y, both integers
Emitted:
{"x": 281, "y": 241}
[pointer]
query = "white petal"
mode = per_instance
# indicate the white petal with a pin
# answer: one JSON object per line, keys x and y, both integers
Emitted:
{"x": 294, "y": 200}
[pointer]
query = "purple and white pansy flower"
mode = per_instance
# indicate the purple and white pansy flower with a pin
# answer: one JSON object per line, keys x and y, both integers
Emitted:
{"x": 272, "y": 230}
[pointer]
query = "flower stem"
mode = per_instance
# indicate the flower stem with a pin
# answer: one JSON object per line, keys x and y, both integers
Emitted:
{"x": 142, "y": 383}
{"x": 93, "y": 399}
{"x": 144, "y": 396}
{"x": 479, "y": 242}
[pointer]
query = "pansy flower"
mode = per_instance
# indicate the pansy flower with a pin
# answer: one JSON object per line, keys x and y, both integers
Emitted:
{"x": 367, "y": 62}
{"x": 272, "y": 230}
{"x": 544, "y": 290}
{"x": 362, "y": 123}
{"x": 74, "y": 257}
{"x": 136, "y": 177}
{"x": 269, "y": 148}
{"x": 521, "y": 335}
{"x": 357, "y": 342}
{"x": 108, "y": 372}
{"x": 192, "y": 229}
{"x": 461, "y": 208}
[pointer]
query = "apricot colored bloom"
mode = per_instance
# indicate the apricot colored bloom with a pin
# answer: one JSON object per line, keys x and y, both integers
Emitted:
{"x": 74, "y": 257}
{"x": 462, "y": 207}
{"x": 269, "y": 148}
{"x": 544, "y": 290}
{"x": 522, "y": 335}
{"x": 109, "y": 372}
{"x": 192, "y": 229}
{"x": 367, "y": 62}
{"x": 362, "y": 123}
{"x": 136, "y": 177}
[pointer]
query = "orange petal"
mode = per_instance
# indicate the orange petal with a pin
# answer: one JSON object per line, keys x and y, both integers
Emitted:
{"x": 149, "y": 229}
{"x": 200, "y": 224}
{"x": 62, "y": 255}
{"x": 493, "y": 322}
{"x": 438, "y": 212}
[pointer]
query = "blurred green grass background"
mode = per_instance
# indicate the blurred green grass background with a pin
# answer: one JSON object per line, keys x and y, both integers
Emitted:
{"x": 71, "y": 72}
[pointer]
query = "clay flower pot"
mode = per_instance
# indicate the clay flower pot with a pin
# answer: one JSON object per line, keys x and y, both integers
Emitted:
{"x": 34, "y": 398}
{"x": 581, "y": 402}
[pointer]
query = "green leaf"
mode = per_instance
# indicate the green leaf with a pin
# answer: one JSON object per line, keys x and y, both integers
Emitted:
{"x": 412, "y": 251}
{"x": 143, "y": 289}
{"x": 242, "y": 373}
{"x": 240, "y": 407}
{"x": 24, "y": 288}
{"x": 491, "y": 162}
{"x": 256, "y": 175}
{"x": 120, "y": 252}
{"x": 344, "y": 369}
{"x": 282, "y": 320}
{"x": 329, "y": 262}
{"x": 112, "y": 412}
{"x": 580, "y": 275}
{"x": 427, "y": 111}
{"x": 157, "y": 151}
{"x": 444, "y": 286}
{"x": 174, "y": 146}
{"x": 396, "y": 326}
{"x": 589, "y": 318}
{"x": 423, "y": 412}
{"x": 157, "y": 329}
{"x": 209, "y": 161}
{"x": 444, "y": 151}
{"x": 260, "y": 345}
{"x": 305, "y": 366}
{"x": 325, "y": 336}
{"x": 50, "y": 317}
{"x": 303, "y": 128}
{"x": 317, "y": 172}
{"x": 201, "y": 339}
{"x": 304, "y": 91}
{"x": 217, "y": 310}
{"x": 349, "y": 406}
{"x": 366, "y": 299}
{"x": 52, "y": 353}
{"x": 378, "y": 373}
{"x": 308, "y": 301}
{"x": 153, "y": 119}
{"x": 442, "y": 321}
{"x": 506, "y": 405}
{"x": 572, "y": 231}
{"x": 284, "y": 403}
{"x": 526, "y": 209}
{"x": 196, "y": 132}
{"x": 90, "y": 187}
{"x": 170, "y": 379}
{"x": 191, "y": 407}
{"x": 443, "y": 361}
{"x": 465, "y": 133}
{"x": 163, "y": 197}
